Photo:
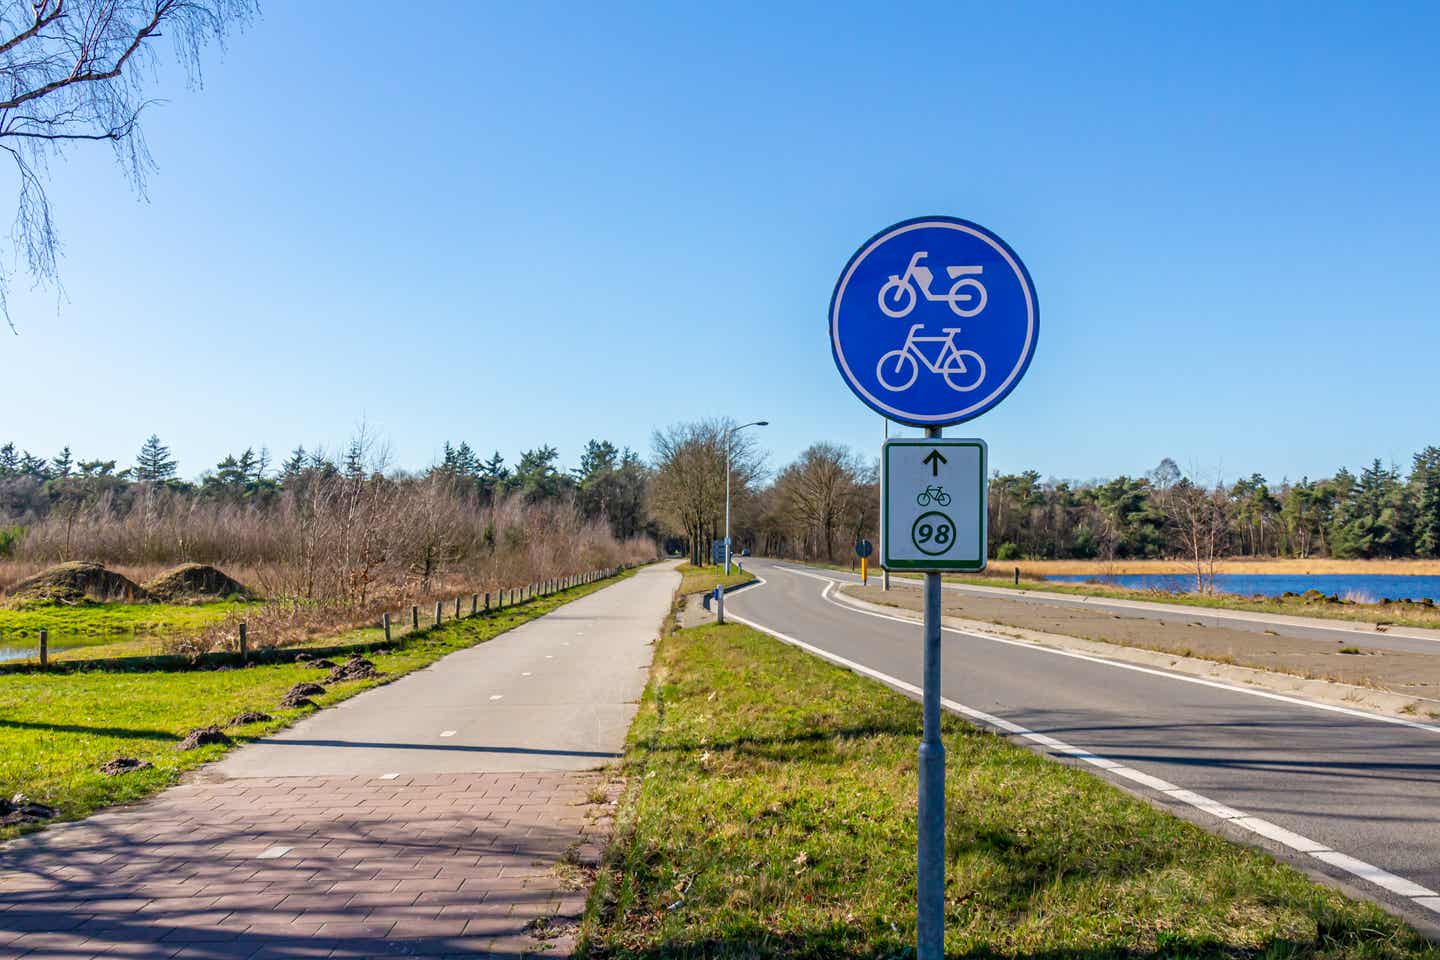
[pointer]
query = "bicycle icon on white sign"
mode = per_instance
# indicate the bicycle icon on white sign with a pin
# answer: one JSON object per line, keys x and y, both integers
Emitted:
{"x": 936, "y": 495}
{"x": 897, "y": 296}
{"x": 963, "y": 370}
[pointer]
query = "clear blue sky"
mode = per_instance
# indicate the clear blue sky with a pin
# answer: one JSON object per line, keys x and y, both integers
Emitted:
{"x": 516, "y": 224}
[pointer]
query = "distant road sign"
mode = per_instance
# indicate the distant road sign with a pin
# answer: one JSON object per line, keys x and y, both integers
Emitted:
{"x": 933, "y": 352}
{"x": 863, "y": 548}
{"x": 932, "y": 511}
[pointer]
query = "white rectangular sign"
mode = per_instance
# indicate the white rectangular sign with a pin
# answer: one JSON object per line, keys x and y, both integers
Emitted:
{"x": 932, "y": 504}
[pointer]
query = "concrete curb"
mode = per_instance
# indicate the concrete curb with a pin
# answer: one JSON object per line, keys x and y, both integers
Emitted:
{"x": 1321, "y": 691}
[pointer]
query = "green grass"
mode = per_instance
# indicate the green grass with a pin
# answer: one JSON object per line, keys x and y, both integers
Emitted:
{"x": 97, "y": 621}
{"x": 704, "y": 579}
{"x": 56, "y": 728}
{"x": 770, "y": 812}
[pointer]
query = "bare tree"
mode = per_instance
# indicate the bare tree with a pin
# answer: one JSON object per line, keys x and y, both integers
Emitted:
{"x": 72, "y": 71}
{"x": 688, "y": 489}
{"x": 1200, "y": 517}
{"x": 824, "y": 492}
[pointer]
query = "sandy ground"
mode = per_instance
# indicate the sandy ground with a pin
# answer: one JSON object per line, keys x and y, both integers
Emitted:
{"x": 1238, "y": 565}
{"x": 1410, "y": 674}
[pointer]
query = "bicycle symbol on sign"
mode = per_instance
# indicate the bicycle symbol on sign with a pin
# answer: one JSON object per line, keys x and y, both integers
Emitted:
{"x": 963, "y": 370}
{"x": 897, "y": 296}
{"x": 936, "y": 495}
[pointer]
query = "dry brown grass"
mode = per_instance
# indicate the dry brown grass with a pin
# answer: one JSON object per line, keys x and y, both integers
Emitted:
{"x": 1314, "y": 565}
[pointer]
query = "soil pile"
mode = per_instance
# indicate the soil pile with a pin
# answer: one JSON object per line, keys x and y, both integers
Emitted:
{"x": 356, "y": 668}
{"x": 76, "y": 582}
{"x": 203, "y": 737}
{"x": 196, "y": 582}
{"x": 121, "y": 765}
{"x": 300, "y": 694}
{"x": 248, "y": 717}
{"x": 21, "y": 809}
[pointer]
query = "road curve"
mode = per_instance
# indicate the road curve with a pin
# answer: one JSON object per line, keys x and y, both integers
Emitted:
{"x": 1348, "y": 795}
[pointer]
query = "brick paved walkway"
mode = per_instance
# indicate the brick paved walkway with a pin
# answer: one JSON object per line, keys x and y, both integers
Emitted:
{"x": 469, "y": 864}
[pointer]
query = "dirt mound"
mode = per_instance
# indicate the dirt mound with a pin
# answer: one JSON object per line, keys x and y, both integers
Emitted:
{"x": 299, "y": 696}
{"x": 356, "y": 668}
{"x": 191, "y": 582}
{"x": 21, "y": 809}
{"x": 203, "y": 737}
{"x": 76, "y": 582}
{"x": 248, "y": 717}
{"x": 124, "y": 765}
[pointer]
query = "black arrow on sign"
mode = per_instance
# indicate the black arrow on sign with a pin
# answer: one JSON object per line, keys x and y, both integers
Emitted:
{"x": 934, "y": 458}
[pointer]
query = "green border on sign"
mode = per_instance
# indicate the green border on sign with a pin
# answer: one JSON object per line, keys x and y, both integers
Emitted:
{"x": 934, "y": 566}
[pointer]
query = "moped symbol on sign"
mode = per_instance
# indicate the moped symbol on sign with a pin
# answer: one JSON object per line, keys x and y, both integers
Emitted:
{"x": 894, "y": 330}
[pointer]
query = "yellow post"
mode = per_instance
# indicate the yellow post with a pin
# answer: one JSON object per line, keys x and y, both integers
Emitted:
{"x": 864, "y": 571}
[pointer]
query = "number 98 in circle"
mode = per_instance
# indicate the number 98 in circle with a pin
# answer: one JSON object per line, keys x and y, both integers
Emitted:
{"x": 933, "y": 533}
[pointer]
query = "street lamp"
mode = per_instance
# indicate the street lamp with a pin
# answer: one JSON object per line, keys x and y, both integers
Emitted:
{"x": 729, "y": 434}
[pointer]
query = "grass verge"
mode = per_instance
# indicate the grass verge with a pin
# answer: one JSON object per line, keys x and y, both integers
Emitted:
{"x": 695, "y": 579}
{"x": 57, "y": 728}
{"x": 770, "y": 812}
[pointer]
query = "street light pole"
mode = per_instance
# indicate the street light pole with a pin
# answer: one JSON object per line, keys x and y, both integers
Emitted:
{"x": 729, "y": 435}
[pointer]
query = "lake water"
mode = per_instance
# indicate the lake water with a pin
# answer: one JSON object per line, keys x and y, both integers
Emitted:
{"x": 1364, "y": 587}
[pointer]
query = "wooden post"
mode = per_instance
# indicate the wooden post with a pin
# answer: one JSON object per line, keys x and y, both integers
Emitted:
{"x": 457, "y": 608}
{"x": 474, "y": 604}
{"x": 437, "y": 613}
{"x": 414, "y": 618}
{"x": 385, "y": 622}
{"x": 244, "y": 645}
{"x": 44, "y": 648}
{"x": 487, "y": 603}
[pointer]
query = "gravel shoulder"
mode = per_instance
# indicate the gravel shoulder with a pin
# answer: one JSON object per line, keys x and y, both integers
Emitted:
{"x": 1392, "y": 681}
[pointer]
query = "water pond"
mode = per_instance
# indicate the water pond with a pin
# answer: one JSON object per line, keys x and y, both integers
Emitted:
{"x": 1360, "y": 587}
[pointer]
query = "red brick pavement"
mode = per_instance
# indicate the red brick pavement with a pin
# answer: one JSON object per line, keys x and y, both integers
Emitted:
{"x": 439, "y": 865}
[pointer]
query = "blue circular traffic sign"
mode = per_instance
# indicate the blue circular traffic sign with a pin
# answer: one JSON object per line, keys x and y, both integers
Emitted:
{"x": 933, "y": 321}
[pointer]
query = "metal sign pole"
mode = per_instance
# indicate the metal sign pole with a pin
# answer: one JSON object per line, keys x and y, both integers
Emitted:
{"x": 884, "y": 570}
{"x": 930, "y": 934}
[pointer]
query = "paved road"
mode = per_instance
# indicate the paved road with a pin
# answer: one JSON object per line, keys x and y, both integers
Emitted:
{"x": 1409, "y": 639}
{"x": 557, "y": 693}
{"x": 1350, "y": 795}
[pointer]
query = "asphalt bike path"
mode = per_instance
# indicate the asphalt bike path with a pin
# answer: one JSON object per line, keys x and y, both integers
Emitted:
{"x": 1338, "y": 792}
{"x": 557, "y": 693}
{"x": 451, "y": 813}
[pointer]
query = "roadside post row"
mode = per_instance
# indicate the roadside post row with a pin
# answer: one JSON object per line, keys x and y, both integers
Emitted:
{"x": 1417, "y": 893}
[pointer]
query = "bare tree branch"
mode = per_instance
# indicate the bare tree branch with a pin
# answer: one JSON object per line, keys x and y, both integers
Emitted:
{"x": 76, "y": 69}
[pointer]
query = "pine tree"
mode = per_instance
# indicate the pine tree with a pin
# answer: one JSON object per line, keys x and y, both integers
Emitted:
{"x": 9, "y": 461}
{"x": 153, "y": 463}
{"x": 1425, "y": 479}
{"x": 33, "y": 466}
{"x": 62, "y": 464}
{"x": 294, "y": 465}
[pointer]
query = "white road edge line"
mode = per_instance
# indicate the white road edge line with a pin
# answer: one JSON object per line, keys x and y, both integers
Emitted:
{"x": 1152, "y": 671}
{"x": 1419, "y": 895}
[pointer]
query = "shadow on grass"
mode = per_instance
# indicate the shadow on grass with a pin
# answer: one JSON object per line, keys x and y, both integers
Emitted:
{"x": 124, "y": 732}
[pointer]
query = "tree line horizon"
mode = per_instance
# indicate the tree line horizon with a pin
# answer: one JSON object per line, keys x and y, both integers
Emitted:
{"x": 817, "y": 505}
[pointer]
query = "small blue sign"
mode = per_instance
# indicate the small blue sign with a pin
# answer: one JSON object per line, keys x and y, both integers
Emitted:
{"x": 934, "y": 321}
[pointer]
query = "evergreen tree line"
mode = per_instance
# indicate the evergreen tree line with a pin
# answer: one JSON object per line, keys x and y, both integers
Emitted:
{"x": 1379, "y": 513}
{"x": 816, "y": 507}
